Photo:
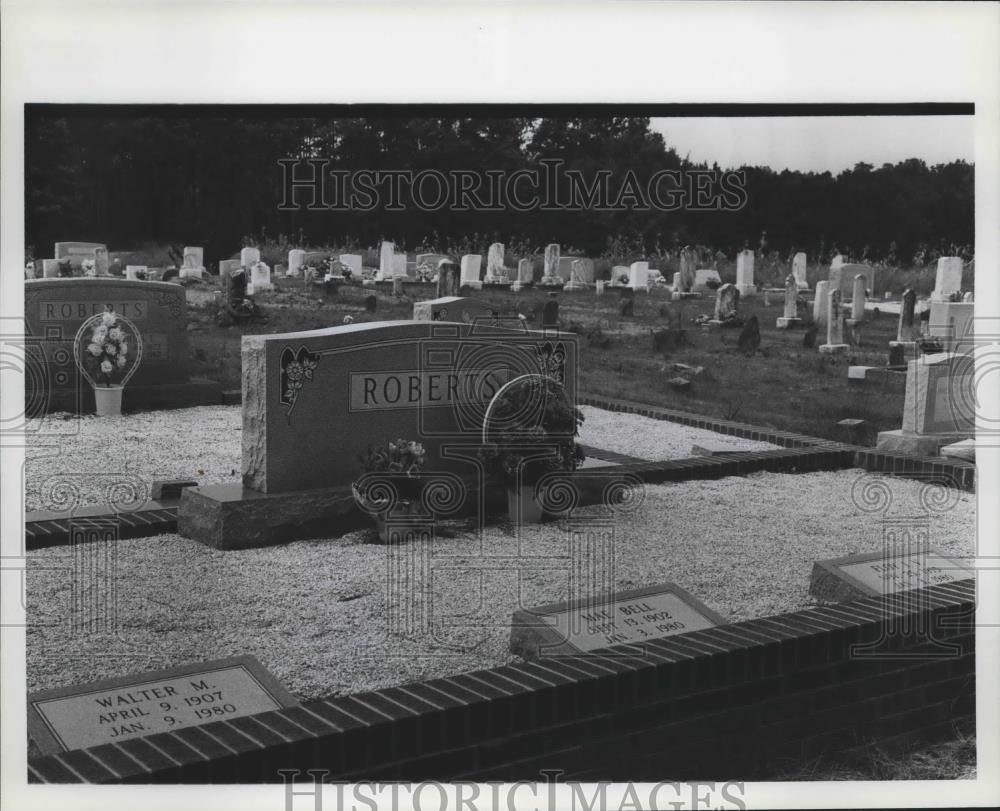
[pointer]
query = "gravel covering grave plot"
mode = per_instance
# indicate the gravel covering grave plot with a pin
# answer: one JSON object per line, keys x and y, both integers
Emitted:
{"x": 316, "y": 613}
{"x": 201, "y": 443}
{"x": 650, "y": 439}
{"x": 106, "y": 459}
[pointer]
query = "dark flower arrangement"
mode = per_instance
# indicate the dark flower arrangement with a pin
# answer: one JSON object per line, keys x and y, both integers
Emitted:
{"x": 536, "y": 432}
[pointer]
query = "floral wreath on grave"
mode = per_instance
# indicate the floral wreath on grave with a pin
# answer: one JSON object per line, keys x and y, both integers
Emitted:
{"x": 425, "y": 273}
{"x": 295, "y": 370}
{"x": 107, "y": 348}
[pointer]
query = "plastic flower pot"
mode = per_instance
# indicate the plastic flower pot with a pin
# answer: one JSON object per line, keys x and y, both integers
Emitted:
{"x": 108, "y": 400}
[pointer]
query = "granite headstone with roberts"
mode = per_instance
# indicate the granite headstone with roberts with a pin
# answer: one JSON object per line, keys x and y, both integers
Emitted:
{"x": 314, "y": 401}
{"x": 120, "y": 709}
{"x": 295, "y": 257}
{"x": 903, "y": 566}
{"x": 623, "y": 618}
{"x": 54, "y": 309}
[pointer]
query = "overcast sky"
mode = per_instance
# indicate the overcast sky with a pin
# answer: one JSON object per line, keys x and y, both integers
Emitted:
{"x": 819, "y": 143}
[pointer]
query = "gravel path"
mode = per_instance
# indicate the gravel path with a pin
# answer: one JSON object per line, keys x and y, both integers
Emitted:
{"x": 317, "y": 613}
{"x": 104, "y": 461}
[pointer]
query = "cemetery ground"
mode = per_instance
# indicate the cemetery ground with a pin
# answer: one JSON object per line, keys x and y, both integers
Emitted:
{"x": 785, "y": 385}
{"x": 316, "y": 612}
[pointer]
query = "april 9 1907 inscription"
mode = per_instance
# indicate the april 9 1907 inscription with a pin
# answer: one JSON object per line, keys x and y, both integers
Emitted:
{"x": 144, "y": 704}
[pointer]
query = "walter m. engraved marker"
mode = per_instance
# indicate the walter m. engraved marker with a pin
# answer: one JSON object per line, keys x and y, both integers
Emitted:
{"x": 626, "y": 617}
{"x": 118, "y": 709}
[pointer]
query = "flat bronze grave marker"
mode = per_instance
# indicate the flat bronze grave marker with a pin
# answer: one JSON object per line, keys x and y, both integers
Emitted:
{"x": 625, "y": 617}
{"x": 110, "y": 710}
{"x": 874, "y": 574}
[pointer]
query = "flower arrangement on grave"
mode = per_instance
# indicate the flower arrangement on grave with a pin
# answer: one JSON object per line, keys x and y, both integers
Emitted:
{"x": 426, "y": 273}
{"x": 390, "y": 480}
{"x": 89, "y": 267}
{"x": 529, "y": 430}
{"x": 107, "y": 350}
{"x": 65, "y": 267}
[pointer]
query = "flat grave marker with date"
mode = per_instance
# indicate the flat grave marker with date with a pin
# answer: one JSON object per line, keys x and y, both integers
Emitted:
{"x": 143, "y": 704}
{"x": 626, "y": 617}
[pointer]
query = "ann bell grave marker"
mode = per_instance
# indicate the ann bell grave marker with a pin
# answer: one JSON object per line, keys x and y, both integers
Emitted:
{"x": 626, "y": 617}
{"x": 147, "y": 703}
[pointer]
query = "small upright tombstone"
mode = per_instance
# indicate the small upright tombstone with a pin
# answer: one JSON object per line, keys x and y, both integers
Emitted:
{"x": 397, "y": 285}
{"x": 727, "y": 303}
{"x": 295, "y": 259}
{"x": 550, "y": 272}
{"x": 471, "y": 264}
{"x": 371, "y": 304}
{"x": 744, "y": 273}
{"x": 577, "y": 276}
{"x": 399, "y": 265}
{"x": 834, "y": 326}
{"x": 101, "y": 260}
{"x": 249, "y": 257}
{"x": 790, "y": 318}
{"x": 626, "y": 308}
{"x": 386, "y": 262}
{"x": 496, "y": 273}
{"x": 550, "y": 313}
{"x": 50, "y": 268}
{"x": 447, "y": 278}
{"x": 226, "y": 267}
{"x": 197, "y": 257}
{"x": 799, "y": 271}
{"x": 857, "y": 309}
{"x": 749, "y": 339}
{"x": 820, "y": 302}
{"x": 638, "y": 275}
{"x": 525, "y": 275}
{"x": 689, "y": 265}
{"x": 908, "y": 330}
{"x": 948, "y": 279}
{"x": 352, "y": 261}
{"x": 707, "y": 279}
{"x": 260, "y": 277}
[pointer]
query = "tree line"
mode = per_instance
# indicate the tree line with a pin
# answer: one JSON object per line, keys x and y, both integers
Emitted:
{"x": 220, "y": 181}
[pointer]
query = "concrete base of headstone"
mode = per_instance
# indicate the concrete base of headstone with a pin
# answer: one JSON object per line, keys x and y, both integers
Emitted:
{"x": 748, "y": 290}
{"x": 910, "y": 444}
{"x": 472, "y": 285}
{"x": 231, "y": 516}
{"x": 192, "y": 273}
{"x": 573, "y": 285}
{"x": 833, "y": 349}
{"x": 966, "y": 450}
{"x": 368, "y": 282}
{"x": 517, "y": 287}
{"x": 910, "y": 347}
{"x": 789, "y": 323}
{"x": 498, "y": 285}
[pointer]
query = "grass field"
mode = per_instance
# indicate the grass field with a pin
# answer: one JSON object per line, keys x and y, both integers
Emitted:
{"x": 784, "y": 386}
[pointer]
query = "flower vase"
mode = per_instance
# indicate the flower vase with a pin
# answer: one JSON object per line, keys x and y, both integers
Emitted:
{"x": 108, "y": 400}
{"x": 522, "y": 506}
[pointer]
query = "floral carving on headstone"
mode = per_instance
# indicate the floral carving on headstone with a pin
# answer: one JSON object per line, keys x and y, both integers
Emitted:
{"x": 297, "y": 369}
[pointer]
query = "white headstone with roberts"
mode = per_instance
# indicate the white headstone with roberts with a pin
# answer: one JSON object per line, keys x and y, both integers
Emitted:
{"x": 295, "y": 257}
